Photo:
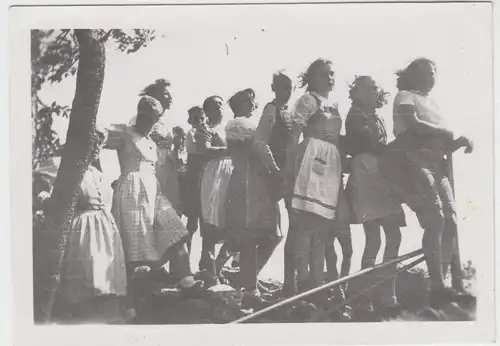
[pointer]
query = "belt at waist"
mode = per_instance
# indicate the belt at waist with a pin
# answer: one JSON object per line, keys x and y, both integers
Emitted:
{"x": 144, "y": 167}
{"x": 327, "y": 139}
{"x": 89, "y": 207}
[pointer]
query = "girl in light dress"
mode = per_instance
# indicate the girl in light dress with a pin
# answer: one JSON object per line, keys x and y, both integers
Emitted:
{"x": 211, "y": 143}
{"x": 152, "y": 231}
{"x": 313, "y": 173}
{"x": 93, "y": 277}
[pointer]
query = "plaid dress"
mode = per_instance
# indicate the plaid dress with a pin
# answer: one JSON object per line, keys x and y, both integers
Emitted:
{"x": 148, "y": 223}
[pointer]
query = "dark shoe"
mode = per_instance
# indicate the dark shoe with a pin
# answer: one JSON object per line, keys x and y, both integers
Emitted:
{"x": 338, "y": 294}
{"x": 224, "y": 280}
{"x": 197, "y": 291}
{"x": 442, "y": 297}
{"x": 208, "y": 279}
{"x": 251, "y": 300}
{"x": 262, "y": 288}
{"x": 235, "y": 264}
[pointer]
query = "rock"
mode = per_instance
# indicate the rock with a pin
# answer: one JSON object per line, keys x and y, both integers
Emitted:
{"x": 270, "y": 285}
{"x": 221, "y": 288}
{"x": 226, "y": 295}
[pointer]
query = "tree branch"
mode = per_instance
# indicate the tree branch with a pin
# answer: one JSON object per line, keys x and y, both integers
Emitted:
{"x": 105, "y": 37}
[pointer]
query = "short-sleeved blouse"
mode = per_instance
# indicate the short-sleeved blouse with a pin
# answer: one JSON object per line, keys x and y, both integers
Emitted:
{"x": 135, "y": 151}
{"x": 319, "y": 116}
{"x": 426, "y": 110}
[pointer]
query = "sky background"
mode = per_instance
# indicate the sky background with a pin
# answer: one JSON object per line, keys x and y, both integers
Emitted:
{"x": 376, "y": 40}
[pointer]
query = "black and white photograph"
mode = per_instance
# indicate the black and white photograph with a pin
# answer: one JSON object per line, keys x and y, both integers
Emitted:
{"x": 283, "y": 166}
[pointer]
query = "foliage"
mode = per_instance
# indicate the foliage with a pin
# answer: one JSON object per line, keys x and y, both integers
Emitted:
{"x": 54, "y": 56}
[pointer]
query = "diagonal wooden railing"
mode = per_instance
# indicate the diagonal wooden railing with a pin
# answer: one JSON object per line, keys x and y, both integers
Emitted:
{"x": 333, "y": 284}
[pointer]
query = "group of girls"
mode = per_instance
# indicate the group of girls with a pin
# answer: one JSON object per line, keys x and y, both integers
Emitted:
{"x": 236, "y": 176}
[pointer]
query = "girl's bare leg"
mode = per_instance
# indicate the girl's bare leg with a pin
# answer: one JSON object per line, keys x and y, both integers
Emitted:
{"x": 331, "y": 258}
{"x": 449, "y": 240}
{"x": 433, "y": 224}
{"x": 391, "y": 251}
{"x": 345, "y": 241}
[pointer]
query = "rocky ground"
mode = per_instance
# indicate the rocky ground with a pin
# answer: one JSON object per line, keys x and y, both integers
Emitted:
{"x": 161, "y": 303}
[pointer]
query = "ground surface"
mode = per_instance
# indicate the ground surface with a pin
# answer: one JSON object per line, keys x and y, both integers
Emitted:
{"x": 163, "y": 304}
{"x": 222, "y": 304}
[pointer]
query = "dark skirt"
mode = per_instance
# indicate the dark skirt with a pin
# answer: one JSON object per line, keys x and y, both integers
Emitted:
{"x": 252, "y": 202}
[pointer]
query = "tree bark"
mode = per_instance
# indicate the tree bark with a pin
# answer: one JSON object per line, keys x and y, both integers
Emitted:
{"x": 50, "y": 244}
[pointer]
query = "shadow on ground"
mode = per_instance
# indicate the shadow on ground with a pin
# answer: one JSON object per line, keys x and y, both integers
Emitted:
{"x": 162, "y": 303}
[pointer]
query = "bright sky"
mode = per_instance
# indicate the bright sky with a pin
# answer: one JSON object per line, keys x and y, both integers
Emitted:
{"x": 373, "y": 39}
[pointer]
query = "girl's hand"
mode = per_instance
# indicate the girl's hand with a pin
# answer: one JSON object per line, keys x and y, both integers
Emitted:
{"x": 466, "y": 143}
{"x": 41, "y": 199}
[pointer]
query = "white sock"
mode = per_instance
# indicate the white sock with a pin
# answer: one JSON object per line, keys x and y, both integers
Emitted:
{"x": 187, "y": 282}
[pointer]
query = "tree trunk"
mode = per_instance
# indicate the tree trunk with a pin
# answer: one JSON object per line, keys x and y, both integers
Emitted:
{"x": 50, "y": 244}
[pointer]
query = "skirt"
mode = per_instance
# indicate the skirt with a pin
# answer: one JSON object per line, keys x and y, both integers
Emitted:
{"x": 369, "y": 192}
{"x": 94, "y": 264}
{"x": 148, "y": 223}
{"x": 214, "y": 186}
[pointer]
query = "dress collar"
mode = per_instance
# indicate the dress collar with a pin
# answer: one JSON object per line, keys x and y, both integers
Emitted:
{"x": 323, "y": 99}
{"x": 418, "y": 92}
